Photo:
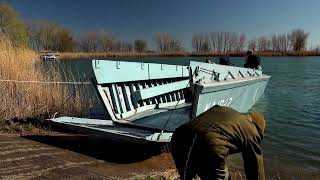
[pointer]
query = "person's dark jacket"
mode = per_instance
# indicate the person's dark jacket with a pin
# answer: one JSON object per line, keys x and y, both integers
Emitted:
{"x": 252, "y": 61}
{"x": 225, "y": 61}
{"x": 225, "y": 131}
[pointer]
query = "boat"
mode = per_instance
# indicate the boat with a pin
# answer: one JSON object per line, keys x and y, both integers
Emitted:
{"x": 146, "y": 102}
{"x": 49, "y": 56}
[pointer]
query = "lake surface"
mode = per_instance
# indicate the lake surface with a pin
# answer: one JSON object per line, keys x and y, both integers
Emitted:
{"x": 290, "y": 104}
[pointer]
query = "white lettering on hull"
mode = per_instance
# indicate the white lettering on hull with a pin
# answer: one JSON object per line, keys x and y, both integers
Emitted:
{"x": 221, "y": 102}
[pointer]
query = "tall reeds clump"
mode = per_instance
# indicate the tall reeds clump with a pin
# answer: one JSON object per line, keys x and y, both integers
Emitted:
{"x": 33, "y": 99}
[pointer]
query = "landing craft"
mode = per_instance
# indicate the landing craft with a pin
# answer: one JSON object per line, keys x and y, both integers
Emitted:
{"x": 146, "y": 102}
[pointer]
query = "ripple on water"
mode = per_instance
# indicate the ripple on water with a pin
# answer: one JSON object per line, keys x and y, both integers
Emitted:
{"x": 291, "y": 106}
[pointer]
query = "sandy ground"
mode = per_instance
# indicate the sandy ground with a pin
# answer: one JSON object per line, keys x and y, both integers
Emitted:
{"x": 70, "y": 156}
{"x": 74, "y": 156}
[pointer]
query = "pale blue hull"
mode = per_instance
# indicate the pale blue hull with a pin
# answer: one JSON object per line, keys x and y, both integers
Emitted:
{"x": 240, "y": 96}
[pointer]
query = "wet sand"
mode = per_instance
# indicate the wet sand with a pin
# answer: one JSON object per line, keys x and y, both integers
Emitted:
{"x": 71, "y": 156}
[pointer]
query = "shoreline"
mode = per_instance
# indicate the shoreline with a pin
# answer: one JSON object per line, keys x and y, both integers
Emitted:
{"x": 84, "y": 55}
{"x": 80, "y": 151}
{"x": 112, "y": 160}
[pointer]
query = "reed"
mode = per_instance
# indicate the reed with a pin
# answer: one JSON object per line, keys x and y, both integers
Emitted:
{"x": 32, "y": 100}
{"x": 91, "y": 55}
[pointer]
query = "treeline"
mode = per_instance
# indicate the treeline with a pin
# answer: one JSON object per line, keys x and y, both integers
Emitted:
{"x": 296, "y": 40}
{"x": 44, "y": 35}
{"x": 218, "y": 42}
{"x": 224, "y": 42}
{"x": 55, "y": 37}
{"x": 49, "y": 36}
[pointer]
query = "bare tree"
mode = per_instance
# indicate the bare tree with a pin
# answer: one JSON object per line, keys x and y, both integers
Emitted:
{"x": 140, "y": 45}
{"x": 280, "y": 42}
{"x": 125, "y": 46}
{"x": 34, "y": 34}
{"x": 275, "y": 43}
{"x": 160, "y": 39}
{"x": 102, "y": 41}
{"x": 64, "y": 41}
{"x": 200, "y": 42}
{"x": 220, "y": 41}
{"x": 166, "y": 43}
{"x": 214, "y": 40}
{"x": 252, "y": 44}
{"x": 106, "y": 39}
{"x": 283, "y": 42}
{"x": 205, "y": 46}
{"x": 298, "y": 39}
{"x": 233, "y": 40}
{"x": 263, "y": 44}
{"x": 227, "y": 41}
{"x": 48, "y": 36}
{"x": 241, "y": 43}
{"x": 197, "y": 41}
{"x": 175, "y": 45}
{"x": 89, "y": 41}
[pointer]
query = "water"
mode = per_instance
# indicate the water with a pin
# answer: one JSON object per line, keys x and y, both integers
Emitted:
{"x": 290, "y": 104}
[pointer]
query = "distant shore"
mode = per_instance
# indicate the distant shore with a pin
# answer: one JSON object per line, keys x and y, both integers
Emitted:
{"x": 84, "y": 55}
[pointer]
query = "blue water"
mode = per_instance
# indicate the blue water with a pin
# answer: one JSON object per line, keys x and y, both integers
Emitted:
{"x": 290, "y": 104}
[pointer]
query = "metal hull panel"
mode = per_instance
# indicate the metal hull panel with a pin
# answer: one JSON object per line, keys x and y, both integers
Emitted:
{"x": 240, "y": 97}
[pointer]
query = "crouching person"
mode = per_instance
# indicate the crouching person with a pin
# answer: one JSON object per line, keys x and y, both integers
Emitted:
{"x": 201, "y": 146}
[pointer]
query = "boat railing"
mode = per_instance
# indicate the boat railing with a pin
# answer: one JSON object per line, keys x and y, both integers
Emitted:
{"x": 204, "y": 72}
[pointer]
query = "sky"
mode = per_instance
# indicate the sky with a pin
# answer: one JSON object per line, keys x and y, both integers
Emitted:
{"x": 136, "y": 19}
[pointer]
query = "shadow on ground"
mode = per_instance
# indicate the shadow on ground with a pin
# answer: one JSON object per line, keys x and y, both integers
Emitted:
{"x": 101, "y": 148}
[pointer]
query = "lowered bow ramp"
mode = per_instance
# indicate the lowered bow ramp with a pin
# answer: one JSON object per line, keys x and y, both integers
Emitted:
{"x": 111, "y": 130}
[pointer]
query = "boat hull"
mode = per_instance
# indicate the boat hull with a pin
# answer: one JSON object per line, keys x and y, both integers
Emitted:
{"x": 150, "y": 105}
{"x": 240, "y": 96}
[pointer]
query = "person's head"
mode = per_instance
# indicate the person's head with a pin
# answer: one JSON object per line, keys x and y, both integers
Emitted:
{"x": 249, "y": 52}
{"x": 258, "y": 119}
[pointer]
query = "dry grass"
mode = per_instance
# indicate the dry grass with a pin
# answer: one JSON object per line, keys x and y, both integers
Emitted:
{"x": 32, "y": 100}
{"x": 86, "y": 55}
{"x": 90, "y": 55}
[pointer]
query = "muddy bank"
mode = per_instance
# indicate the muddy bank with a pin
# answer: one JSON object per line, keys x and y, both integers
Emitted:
{"x": 32, "y": 148}
{"x": 72, "y": 156}
{"x": 43, "y": 153}
{"x": 75, "y": 156}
